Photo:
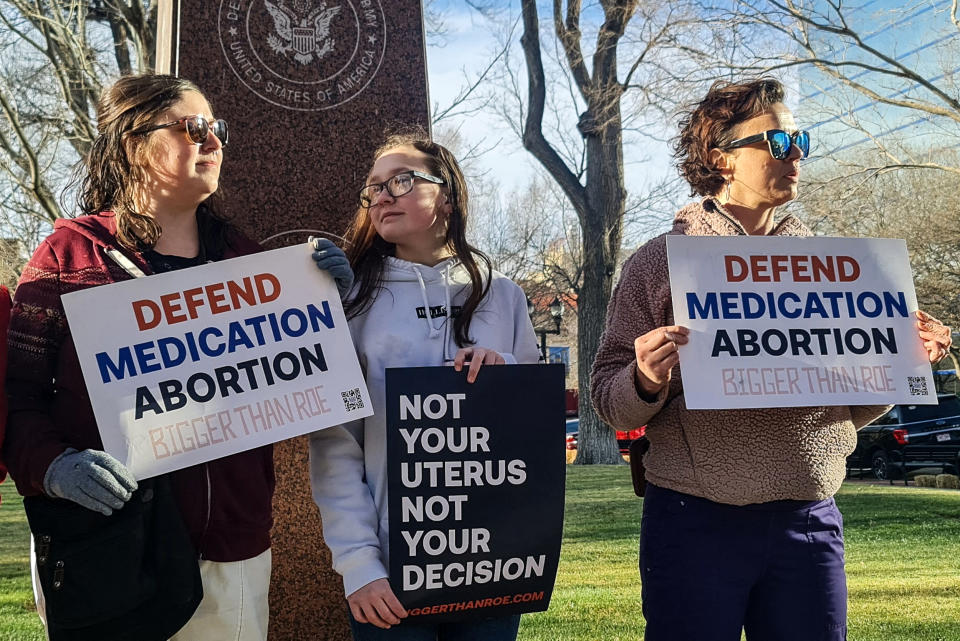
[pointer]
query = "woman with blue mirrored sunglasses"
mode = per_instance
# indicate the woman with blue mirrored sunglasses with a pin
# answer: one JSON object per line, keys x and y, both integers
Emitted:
{"x": 753, "y": 165}
{"x": 739, "y": 531}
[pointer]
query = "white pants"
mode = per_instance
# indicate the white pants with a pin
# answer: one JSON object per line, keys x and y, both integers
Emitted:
{"x": 234, "y": 605}
{"x": 37, "y": 589}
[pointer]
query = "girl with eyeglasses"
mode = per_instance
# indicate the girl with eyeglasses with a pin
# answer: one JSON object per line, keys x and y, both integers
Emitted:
{"x": 739, "y": 529}
{"x": 423, "y": 296}
{"x": 148, "y": 205}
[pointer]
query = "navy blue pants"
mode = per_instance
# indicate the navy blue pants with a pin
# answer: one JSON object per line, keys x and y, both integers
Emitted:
{"x": 709, "y": 570}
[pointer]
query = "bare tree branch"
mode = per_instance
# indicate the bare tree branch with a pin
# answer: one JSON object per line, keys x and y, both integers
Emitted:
{"x": 55, "y": 56}
{"x": 533, "y": 139}
{"x": 568, "y": 35}
{"x": 457, "y": 106}
{"x": 29, "y": 161}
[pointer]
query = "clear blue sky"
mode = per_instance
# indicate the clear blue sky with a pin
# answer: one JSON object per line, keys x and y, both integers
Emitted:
{"x": 918, "y": 32}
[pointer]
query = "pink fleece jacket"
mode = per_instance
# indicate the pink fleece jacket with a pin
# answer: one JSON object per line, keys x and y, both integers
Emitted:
{"x": 730, "y": 456}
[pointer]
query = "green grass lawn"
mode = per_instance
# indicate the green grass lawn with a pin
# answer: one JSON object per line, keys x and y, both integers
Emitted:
{"x": 903, "y": 562}
{"x": 18, "y": 616}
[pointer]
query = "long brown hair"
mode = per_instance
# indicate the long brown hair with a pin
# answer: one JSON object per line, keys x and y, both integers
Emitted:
{"x": 367, "y": 250}
{"x": 113, "y": 168}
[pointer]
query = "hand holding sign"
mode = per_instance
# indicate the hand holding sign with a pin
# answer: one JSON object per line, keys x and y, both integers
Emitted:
{"x": 331, "y": 258}
{"x": 935, "y": 336}
{"x": 375, "y": 603}
{"x": 656, "y": 356}
{"x": 478, "y": 356}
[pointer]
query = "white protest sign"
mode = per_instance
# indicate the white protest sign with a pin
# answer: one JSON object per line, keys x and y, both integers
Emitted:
{"x": 788, "y": 322}
{"x": 196, "y": 364}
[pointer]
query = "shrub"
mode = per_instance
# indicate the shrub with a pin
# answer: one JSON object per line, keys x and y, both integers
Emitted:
{"x": 925, "y": 480}
{"x": 948, "y": 481}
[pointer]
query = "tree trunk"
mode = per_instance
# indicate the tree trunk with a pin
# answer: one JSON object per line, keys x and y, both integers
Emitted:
{"x": 602, "y": 224}
{"x": 600, "y": 202}
{"x": 596, "y": 442}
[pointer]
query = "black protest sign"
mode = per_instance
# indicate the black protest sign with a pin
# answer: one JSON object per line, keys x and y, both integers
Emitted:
{"x": 476, "y": 486}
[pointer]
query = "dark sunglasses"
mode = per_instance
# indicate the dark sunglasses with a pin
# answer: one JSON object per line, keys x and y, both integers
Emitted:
{"x": 779, "y": 142}
{"x": 396, "y": 186}
{"x": 197, "y": 128}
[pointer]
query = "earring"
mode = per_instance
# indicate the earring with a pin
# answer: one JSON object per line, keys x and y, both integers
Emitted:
{"x": 726, "y": 191}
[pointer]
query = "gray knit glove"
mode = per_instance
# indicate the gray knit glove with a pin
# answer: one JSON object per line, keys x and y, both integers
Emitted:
{"x": 92, "y": 478}
{"x": 331, "y": 258}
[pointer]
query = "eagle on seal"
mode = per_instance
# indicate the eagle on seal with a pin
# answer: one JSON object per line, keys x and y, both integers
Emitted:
{"x": 305, "y": 37}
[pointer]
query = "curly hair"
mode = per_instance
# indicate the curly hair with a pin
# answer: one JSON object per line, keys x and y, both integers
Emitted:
{"x": 113, "y": 169}
{"x": 367, "y": 250}
{"x": 711, "y": 124}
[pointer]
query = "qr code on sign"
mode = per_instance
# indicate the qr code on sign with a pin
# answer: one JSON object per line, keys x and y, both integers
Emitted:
{"x": 352, "y": 399}
{"x": 917, "y": 385}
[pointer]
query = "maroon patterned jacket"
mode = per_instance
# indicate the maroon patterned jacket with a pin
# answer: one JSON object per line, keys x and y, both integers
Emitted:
{"x": 226, "y": 503}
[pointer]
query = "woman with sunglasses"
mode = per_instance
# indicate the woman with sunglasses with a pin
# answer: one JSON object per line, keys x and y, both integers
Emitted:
{"x": 739, "y": 528}
{"x": 423, "y": 297}
{"x": 148, "y": 205}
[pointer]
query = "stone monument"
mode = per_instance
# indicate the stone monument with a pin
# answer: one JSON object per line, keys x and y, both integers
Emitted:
{"x": 308, "y": 88}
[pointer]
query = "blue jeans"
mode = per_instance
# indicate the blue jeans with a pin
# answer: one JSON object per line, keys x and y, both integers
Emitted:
{"x": 493, "y": 629}
{"x": 710, "y": 570}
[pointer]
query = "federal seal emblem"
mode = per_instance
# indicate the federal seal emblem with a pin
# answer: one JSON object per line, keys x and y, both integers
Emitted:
{"x": 309, "y": 38}
{"x": 306, "y": 55}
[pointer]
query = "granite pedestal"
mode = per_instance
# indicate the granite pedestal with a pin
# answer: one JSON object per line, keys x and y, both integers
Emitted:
{"x": 308, "y": 88}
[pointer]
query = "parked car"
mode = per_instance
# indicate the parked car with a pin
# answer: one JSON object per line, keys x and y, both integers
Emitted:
{"x": 573, "y": 429}
{"x": 624, "y": 438}
{"x": 910, "y": 437}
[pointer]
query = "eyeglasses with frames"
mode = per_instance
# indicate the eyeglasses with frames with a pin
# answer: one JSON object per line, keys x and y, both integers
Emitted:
{"x": 197, "y": 128}
{"x": 396, "y": 186}
{"x": 779, "y": 142}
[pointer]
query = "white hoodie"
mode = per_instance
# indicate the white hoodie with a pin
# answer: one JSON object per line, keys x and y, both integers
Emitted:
{"x": 406, "y": 326}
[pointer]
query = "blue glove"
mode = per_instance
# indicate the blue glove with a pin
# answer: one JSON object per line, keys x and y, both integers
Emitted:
{"x": 331, "y": 258}
{"x": 92, "y": 478}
